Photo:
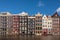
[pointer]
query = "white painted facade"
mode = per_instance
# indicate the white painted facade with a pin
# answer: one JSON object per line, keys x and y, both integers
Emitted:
{"x": 47, "y": 24}
{"x": 44, "y": 24}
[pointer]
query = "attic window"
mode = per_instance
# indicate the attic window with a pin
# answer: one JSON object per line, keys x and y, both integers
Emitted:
{"x": 55, "y": 15}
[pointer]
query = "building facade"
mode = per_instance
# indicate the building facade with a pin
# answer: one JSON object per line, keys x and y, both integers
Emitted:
{"x": 5, "y": 23}
{"x": 45, "y": 25}
{"x": 38, "y": 24}
{"x": 55, "y": 24}
{"x": 23, "y": 23}
{"x": 49, "y": 25}
{"x": 12, "y": 24}
{"x": 15, "y": 26}
{"x": 31, "y": 25}
{"x": 59, "y": 25}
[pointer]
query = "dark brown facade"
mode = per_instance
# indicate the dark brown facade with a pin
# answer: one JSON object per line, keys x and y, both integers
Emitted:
{"x": 55, "y": 24}
{"x": 15, "y": 26}
{"x": 59, "y": 25}
{"x": 31, "y": 25}
{"x": 23, "y": 24}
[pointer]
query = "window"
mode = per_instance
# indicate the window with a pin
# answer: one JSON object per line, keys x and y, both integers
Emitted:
{"x": 40, "y": 28}
{"x": 38, "y": 24}
{"x": 38, "y": 31}
{"x": 25, "y": 21}
{"x": 48, "y": 22}
{"x": 49, "y": 32}
{"x": 21, "y": 22}
{"x": 38, "y": 20}
{"x": 36, "y": 28}
{"x": 4, "y": 29}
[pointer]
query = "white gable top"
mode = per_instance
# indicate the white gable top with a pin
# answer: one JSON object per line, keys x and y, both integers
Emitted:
{"x": 44, "y": 16}
{"x": 5, "y": 13}
{"x": 38, "y": 14}
{"x": 23, "y": 14}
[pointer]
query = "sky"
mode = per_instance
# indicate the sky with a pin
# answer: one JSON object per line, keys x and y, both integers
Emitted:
{"x": 47, "y": 7}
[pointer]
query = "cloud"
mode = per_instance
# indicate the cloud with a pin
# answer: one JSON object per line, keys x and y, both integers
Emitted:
{"x": 58, "y": 10}
{"x": 40, "y": 4}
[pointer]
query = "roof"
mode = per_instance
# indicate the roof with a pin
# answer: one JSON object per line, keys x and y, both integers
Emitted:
{"x": 55, "y": 15}
{"x": 23, "y": 14}
{"x": 38, "y": 14}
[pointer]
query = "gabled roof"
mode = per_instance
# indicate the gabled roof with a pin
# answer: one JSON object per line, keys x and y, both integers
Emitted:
{"x": 55, "y": 15}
